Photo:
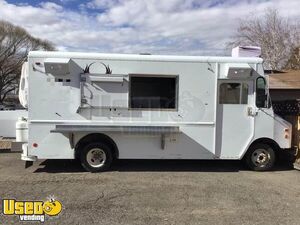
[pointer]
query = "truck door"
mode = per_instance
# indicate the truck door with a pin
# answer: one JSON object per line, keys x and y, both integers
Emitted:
{"x": 235, "y": 120}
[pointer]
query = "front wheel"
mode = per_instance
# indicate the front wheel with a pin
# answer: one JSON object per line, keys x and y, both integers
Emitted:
{"x": 260, "y": 157}
{"x": 96, "y": 157}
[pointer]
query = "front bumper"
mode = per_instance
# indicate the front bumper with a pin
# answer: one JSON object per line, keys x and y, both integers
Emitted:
{"x": 25, "y": 156}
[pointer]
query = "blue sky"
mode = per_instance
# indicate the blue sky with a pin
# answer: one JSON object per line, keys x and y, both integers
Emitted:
{"x": 66, "y": 4}
{"x": 190, "y": 27}
{"x": 74, "y": 4}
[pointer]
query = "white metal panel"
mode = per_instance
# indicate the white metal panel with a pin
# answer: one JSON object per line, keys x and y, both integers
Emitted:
{"x": 50, "y": 145}
{"x": 269, "y": 125}
{"x": 281, "y": 129}
{"x": 178, "y": 146}
{"x": 53, "y": 100}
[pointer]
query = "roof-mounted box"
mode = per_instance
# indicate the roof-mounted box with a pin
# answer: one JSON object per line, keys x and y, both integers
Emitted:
{"x": 246, "y": 51}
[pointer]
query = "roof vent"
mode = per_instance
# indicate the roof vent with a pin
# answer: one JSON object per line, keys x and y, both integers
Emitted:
{"x": 246, "y": 51}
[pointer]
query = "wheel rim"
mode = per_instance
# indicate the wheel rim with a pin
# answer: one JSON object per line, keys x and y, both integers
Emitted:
{"x": 96, "y": 157}
{"x": 260, "y": 157}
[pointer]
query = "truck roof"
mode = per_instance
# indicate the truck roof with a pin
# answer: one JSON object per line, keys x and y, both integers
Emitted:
{"x": 126, "y": 57}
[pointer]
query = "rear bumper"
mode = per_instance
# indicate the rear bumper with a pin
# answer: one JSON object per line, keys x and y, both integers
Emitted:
{"x": 25, "y": 156}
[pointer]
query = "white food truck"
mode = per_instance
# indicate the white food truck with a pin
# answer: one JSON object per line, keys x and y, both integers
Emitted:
{"x": 101, "y": 107}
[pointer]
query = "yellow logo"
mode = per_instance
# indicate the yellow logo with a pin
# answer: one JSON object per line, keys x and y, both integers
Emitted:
{"x": 52, "y": 208}
{"x": 32, "y": 210}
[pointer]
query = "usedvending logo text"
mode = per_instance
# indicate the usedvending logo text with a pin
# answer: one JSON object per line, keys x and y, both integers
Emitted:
{"x": 31, "y": 210}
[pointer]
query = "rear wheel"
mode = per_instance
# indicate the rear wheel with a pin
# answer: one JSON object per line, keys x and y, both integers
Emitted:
{"x": 260, "y": 157}
{"x": 96, "y": 157}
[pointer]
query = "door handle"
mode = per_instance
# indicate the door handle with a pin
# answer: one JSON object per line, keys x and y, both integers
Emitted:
{"x": 252, "y": 112}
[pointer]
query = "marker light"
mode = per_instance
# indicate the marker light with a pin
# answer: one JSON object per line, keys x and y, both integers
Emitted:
{"x": 35, "y": 145}
{"x": 286, "y": 133}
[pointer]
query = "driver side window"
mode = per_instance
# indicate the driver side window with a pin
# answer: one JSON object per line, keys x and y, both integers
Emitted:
{"x": 233, "y": 93}
{"x": 261, "y": 95}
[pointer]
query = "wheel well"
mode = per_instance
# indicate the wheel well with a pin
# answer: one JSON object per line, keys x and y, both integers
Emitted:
{"x": 267, "y": 141}
{"x": 97, "y": 137}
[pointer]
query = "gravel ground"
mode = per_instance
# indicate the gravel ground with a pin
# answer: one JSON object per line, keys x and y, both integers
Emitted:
{"x": 156, "y": 192}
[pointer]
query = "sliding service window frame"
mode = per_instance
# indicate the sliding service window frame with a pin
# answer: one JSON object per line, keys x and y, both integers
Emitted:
{"x": 176, "y": 77}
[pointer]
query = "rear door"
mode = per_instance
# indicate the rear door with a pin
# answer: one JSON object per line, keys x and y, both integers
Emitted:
{"x": 235, "y": 122}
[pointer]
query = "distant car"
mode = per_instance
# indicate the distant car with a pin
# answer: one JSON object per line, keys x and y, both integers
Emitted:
{"x": 2, "y": 107}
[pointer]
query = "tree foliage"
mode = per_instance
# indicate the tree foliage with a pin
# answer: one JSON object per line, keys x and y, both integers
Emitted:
{"x": 15, "y": 43}
{"x": 277, "y": 36}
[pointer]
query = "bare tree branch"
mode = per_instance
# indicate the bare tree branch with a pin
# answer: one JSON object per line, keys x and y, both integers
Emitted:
{"x": 277, "y": 36}
{"x": 4, "y": 94}
{"x": 15, "y": 43}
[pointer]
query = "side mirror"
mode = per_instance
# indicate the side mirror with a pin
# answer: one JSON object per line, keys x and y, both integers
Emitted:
{"x": 262, "y": 101}
{"x": 265, "y": 97}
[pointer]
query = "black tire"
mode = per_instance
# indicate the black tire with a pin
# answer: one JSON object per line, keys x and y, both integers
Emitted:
{"x": 260, "y": 157}
{"x": 96, "y": 157}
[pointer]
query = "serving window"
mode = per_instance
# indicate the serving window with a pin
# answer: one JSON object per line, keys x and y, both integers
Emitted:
{"x": 153, "y": 92}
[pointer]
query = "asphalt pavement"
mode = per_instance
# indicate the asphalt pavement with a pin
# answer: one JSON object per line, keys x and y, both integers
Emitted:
{"x": 155, "y": 192}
